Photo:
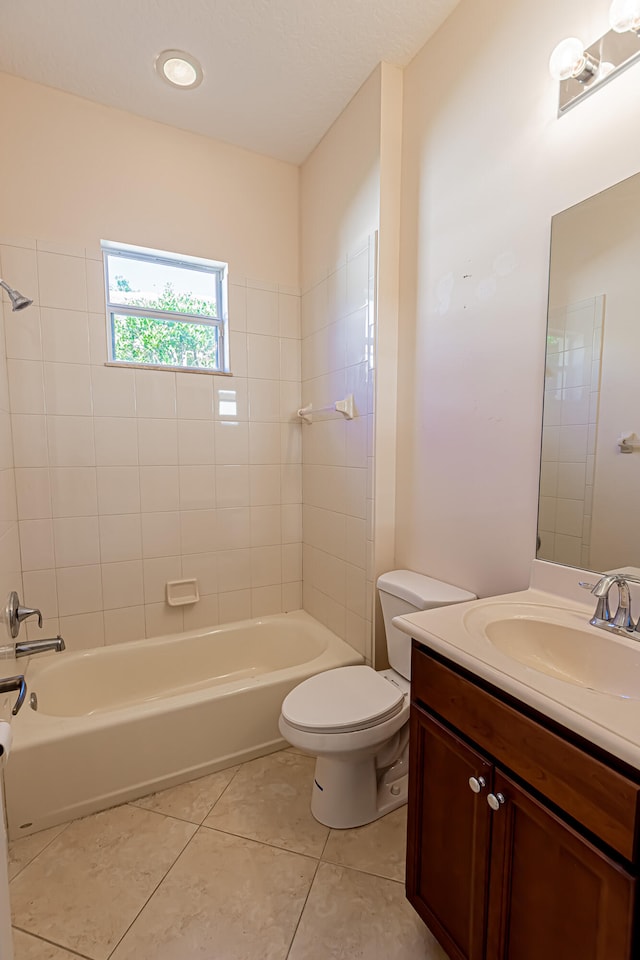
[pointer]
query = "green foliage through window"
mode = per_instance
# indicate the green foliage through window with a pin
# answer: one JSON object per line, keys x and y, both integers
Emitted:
{"x": 140, "y": 297}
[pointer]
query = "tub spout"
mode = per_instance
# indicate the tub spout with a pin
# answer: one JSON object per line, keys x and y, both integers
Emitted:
{"x": 27, "y": 648}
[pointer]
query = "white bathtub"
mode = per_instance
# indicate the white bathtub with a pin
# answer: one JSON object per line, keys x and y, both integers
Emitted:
{"x": 119, "y": 722}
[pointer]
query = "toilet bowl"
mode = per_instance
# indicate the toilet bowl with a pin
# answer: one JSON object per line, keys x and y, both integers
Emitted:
{"x": 355, "y": 720}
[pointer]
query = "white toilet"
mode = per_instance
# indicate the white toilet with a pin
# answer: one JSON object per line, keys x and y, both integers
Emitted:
{"x": 356, "y": 720}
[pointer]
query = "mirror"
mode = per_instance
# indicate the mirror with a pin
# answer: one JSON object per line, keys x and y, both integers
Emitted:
{"x": 590, "y": 463}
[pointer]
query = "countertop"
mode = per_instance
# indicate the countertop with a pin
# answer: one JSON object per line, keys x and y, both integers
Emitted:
{"x": 612, "y": 722}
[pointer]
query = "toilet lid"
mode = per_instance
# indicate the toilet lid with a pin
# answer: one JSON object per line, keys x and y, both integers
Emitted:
{"x": 341, "y": 700}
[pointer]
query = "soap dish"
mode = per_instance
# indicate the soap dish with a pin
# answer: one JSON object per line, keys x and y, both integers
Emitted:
{"x": 181, "y": 592}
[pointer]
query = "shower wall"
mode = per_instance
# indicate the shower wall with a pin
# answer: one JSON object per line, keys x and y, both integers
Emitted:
{"x": 129, "y": 478}
{"x": 338, "y": 358}
{"x": 10, "y": 574}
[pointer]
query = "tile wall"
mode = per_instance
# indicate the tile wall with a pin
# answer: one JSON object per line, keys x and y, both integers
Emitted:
{"x": 10, "y": 572}
{"x": 127, "y": 478}
{"x": 572, "y": 388}
{"x": 338, "y": 354}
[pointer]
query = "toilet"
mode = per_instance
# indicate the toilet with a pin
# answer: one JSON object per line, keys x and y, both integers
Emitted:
{"x": 355, "y": 720}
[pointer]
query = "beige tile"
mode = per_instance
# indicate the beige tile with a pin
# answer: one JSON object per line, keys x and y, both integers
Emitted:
{"x": 190, "y": 801}
{"x": 89, "y": 884}
{"x": 26, "y": 947}
{"x": 269, "y": 800}
{"x": 22, "y": 852}
{"x": 378, "y": 847}
{"x": 225, "y": 897}
{"x": 299, "y": 752}
{"x": 351, "y": 914}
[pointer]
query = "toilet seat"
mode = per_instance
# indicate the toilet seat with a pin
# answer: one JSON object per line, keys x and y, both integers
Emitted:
{"x": 342, "y": 700}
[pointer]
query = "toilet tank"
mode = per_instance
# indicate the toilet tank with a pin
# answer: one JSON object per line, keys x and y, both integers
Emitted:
{"x": 402, "y": 592}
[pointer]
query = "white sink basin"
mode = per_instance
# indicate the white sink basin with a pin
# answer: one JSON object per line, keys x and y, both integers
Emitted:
{"x": 556, "y": 643}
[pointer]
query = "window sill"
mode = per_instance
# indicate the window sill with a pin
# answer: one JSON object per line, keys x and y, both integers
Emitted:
{"x": 150, "y": 366}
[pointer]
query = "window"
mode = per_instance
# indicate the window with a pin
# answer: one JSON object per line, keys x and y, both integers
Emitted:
{"x": 165, "y": 310}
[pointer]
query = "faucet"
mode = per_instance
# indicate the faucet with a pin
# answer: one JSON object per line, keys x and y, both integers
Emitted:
{"x": 15, "y": 613}
{"x": 28, "y": 647}
{"x": 7, "y": 684}
{"x": 622, "y": 622}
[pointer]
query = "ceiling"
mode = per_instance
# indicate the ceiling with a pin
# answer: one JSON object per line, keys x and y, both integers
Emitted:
{"x": 277, "y": 72}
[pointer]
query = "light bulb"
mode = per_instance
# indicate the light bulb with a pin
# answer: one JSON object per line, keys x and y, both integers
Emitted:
{"x": 604, "y": 70}
{"x": 568, "y": 59}
{"x": 179, "y": 72}
{"x": 179, "y": 69}
{"x": 625, "y": 15}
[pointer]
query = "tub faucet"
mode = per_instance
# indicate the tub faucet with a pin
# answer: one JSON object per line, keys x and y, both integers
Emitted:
{"x": 28, "y": 647}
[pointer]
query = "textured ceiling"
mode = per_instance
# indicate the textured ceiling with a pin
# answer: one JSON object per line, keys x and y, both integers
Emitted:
{"x": 277, "y": 72}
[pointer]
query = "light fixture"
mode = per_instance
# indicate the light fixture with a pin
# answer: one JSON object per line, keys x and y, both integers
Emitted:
{"x": 624, "y": 15}
{"x": 580, "y": 70}
{"x": 180, "y": 69}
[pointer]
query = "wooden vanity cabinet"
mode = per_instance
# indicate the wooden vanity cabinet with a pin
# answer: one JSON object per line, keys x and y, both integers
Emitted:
{"x": 528, "y": 880}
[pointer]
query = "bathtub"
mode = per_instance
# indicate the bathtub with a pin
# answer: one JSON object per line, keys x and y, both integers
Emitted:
{"x": 116, "y": 723}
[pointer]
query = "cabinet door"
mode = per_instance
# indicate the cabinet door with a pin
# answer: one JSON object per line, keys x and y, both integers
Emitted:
{"x": 553, "y": 894}
{"x": 448, "y": 839}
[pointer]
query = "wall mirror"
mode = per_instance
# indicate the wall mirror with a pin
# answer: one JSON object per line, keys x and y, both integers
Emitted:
{"x": 590, "y": 463}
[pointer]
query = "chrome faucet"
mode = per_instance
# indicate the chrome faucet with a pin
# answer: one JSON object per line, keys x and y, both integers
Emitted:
{"x": 622, "y": 621}
{"x": 15, "y": 613}
{"x": 27, "y": 648}
{"x": 7, "y": 684}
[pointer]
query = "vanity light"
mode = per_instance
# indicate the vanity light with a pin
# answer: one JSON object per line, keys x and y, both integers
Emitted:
{"x": 580, "y": 70}
{"x": 624, "y": 15}
{"x": 180, "y": 69}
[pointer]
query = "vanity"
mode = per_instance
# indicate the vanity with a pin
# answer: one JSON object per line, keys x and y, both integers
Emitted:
{"x": 524, "y": 797}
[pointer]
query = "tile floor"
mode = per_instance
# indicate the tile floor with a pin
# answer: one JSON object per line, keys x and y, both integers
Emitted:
{"x": 229, "y": 867}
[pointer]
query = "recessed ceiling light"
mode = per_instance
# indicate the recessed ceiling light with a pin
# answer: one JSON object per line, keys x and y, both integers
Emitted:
{"x": 179, "y": 69}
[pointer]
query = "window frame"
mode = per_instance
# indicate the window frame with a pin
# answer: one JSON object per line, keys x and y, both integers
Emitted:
{"x": 216, "y": 268}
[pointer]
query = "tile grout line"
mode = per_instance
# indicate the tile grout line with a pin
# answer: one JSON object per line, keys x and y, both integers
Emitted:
{"x": 262, "y": 843}
{"x": 156, "y": 888}
{"x": 173, "y": 816}
{"x": 34, "y": 858}
{"x": 304, "y": 906}
{"x": 53, "y": 943}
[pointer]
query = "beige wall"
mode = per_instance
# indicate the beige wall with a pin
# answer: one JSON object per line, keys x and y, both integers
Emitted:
{"x": 486, "y": 164}
{"x": 350, "y": 209}
{"x": 127, "y": 478}
{"x": 340, "y": 207}
{"x": 72, "y": 170}
{"x": 10, "y": 570}
{"x": 340, "y": 186}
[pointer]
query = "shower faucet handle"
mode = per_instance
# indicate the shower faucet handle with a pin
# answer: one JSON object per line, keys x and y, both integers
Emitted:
{"x": 8, "y": 684}
{"x": 15, "y": 614}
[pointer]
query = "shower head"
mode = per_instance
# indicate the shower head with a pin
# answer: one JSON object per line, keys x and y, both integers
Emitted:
{"x": 18, "y": 301}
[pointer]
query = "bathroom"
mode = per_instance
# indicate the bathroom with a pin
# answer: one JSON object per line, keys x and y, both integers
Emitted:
{"x": 454, "y": 166}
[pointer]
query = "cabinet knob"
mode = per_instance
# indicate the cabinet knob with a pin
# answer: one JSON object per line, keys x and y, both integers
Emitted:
{"x": 477, "y": 783}
{"x": 495, "y": 800}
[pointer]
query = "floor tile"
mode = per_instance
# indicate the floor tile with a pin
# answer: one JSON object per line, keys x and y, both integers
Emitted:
{"x": 353, "y": 915}
{"x": 227, "y": 898}
{"x": 23, "y": 851}
{"x": 299, "y": 752}
{"x": 378, "y": 847}
{"x": 89, "y": 884}
{"x": 189, "y": 801}
{"x": 269, "y": 800}
{"x": 26, "y": 947}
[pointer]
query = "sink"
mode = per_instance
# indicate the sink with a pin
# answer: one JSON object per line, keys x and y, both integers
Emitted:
{"x": 556, "y": 643}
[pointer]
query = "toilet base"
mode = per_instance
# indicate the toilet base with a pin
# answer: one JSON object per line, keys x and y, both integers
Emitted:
{"x": 349, "y": 794}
